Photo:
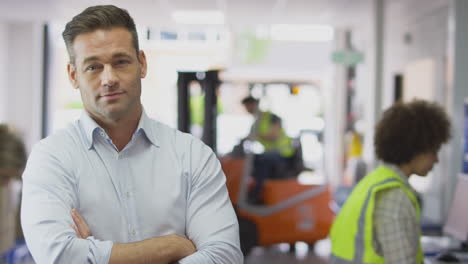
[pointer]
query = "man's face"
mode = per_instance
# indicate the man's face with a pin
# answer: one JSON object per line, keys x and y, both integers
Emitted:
{"x": 423, "y": 163}
{"x": 251, "y": 107}
{"x": 108, "y": 72}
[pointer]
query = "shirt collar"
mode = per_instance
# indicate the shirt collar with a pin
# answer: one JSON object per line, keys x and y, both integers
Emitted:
{"x": 147, "y": 129}
{"x": 89, "y": 127}
{"x": 399, "y": 172}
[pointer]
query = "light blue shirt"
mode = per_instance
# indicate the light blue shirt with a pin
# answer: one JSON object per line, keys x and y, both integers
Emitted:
{"x": 163, "y": 182}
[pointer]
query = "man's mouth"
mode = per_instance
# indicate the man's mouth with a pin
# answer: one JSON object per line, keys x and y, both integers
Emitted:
{"x": 111, "y": 96}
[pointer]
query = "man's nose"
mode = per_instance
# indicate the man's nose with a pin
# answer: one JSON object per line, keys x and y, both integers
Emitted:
{"x": 108, "y": 76}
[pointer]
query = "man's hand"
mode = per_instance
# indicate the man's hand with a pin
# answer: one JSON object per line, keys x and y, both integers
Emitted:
{"x": 81, "y": 227}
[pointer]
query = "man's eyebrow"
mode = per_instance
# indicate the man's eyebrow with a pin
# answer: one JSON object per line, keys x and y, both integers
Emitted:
{"x": 90, "y": 59}
{"x": 121, "y": 54}
{"x": 96, "y": 58}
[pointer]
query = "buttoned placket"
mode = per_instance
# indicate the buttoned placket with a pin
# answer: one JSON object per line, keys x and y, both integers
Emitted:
{"x": 121, "y": 169}
{"x": 128, "y": 189}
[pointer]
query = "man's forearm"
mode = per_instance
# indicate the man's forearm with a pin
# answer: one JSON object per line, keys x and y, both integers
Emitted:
{"x": 165, "y": 249}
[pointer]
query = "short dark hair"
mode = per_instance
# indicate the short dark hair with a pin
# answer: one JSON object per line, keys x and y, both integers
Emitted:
{"x": 409, "y": 129}
{"x": 249, "y": 99}
{"x": 98, "y": 17}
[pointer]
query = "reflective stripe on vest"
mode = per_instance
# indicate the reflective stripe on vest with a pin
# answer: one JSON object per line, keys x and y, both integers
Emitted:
{"x": 359, "y": 240}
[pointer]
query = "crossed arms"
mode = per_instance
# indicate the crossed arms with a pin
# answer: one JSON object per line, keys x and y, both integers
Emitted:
{"x": 50, "y": 191}
{"x": 164, "y": 249}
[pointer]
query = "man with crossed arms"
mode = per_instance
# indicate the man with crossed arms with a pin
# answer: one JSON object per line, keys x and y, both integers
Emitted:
{"x": 146, "y": 192}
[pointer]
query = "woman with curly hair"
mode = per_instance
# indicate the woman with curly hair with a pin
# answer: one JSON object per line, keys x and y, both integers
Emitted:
{"x": 380, "y": 221}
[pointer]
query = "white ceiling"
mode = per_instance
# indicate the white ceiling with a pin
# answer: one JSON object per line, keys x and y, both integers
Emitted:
{"x": 238, "y": 12}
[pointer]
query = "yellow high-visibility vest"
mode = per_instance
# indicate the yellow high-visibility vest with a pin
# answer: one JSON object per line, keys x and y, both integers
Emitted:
{"x": 355, "y": 147}
{"x": 352, "y": 231}
{"x": 283, "y": 144}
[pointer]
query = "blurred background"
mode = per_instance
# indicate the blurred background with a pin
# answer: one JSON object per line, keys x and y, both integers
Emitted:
{"x": 327, "y": 68}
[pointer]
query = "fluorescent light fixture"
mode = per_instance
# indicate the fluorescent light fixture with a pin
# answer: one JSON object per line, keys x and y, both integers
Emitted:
{"x": 199, "y": 17}
{"x": 301, "y": 32}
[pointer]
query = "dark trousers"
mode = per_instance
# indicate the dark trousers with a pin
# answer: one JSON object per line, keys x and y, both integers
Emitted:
{"x": 268, "y": 165}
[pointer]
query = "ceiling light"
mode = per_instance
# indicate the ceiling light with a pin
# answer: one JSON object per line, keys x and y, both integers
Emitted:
{"x": 200, "y": 17}
{"x": 301, "y": 32}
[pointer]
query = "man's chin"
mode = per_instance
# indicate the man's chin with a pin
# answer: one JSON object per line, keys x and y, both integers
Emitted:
{"x": 116, "y": 115}
{"x": 113, "y": 113}
{"x": 423, "y": 174}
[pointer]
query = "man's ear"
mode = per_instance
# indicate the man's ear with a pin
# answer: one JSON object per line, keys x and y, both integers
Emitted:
{"x": 71, "y": 69}
{"x": 143, "y": 65}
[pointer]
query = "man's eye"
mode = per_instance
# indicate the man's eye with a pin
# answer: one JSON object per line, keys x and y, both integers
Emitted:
{"x": 122, "y": 62}
{"x": 91, "y": 68}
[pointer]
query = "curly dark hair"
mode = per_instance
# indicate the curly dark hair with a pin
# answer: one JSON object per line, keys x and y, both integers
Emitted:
{"x": 409, "y": 129}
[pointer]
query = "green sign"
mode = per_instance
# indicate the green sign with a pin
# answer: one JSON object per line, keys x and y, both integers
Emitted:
{"x": 347, "y": 57}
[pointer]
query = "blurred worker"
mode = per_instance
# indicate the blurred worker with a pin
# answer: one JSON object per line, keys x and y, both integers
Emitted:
{"x": 355, "y": 167}
{"x": 278, "y": 149}
{"x": 116, "y": 186}
{"x": 380, "y": 221}
{"x": 12, "y": 162}
{"x": 197, "y": 108}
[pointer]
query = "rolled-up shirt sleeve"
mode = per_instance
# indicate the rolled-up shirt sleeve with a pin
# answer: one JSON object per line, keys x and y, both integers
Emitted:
{"x": 211, "y": 221}
{"x": 49, "y": 194}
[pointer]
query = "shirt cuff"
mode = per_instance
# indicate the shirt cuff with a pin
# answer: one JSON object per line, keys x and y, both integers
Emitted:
{"x": 99, "y": 251}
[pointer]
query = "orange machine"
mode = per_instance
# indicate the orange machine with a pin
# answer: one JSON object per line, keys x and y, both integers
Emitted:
{"x": 291, "y": 211}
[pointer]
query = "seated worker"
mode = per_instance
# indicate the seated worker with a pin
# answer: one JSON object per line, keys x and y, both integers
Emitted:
{"x": 116, "y": 186}
{"x": 278, "y": 148}
{"x": 12, "y": 162}
{"x": 380, "y": 221}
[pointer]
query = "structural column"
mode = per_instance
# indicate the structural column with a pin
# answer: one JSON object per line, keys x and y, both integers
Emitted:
{"x": 457, "y": 91}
